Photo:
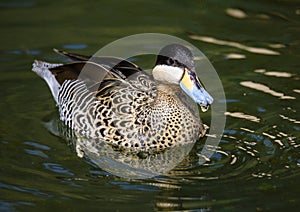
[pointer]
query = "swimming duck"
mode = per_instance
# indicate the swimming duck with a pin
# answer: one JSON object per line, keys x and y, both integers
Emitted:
{"x": 116, "y": 101}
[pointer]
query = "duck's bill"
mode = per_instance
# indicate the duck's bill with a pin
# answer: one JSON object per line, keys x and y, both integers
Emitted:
{"x": 191, "y": 85}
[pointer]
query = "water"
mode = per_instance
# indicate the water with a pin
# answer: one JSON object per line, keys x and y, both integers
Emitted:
{"x": 254, "y": 47}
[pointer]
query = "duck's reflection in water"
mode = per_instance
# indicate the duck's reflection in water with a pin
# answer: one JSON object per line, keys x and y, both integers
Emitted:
{"x": 123, "y": 164}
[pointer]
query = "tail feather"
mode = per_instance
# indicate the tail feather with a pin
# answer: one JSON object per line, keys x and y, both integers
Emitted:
{"x": 42, "y": 69}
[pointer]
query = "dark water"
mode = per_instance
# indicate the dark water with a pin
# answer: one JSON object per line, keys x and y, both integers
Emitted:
{"x": 253, "y": 45}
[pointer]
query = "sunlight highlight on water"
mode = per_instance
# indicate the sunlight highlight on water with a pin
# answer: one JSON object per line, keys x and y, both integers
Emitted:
{"x": 234, "y": 44}
{"x": 243, "y": 116}
{"x": 265, "y": 89}
{"x": 274, "y": 73}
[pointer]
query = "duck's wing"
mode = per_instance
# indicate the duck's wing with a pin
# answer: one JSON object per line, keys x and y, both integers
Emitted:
{"x": 102, "y": 73}
{"x": 123, "y": 68}
{"x": 86, "y": 71}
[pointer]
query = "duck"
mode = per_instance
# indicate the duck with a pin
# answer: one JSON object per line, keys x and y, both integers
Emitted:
{"x": 114, "y": 100}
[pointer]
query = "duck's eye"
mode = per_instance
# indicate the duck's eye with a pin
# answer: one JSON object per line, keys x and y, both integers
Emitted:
{"x": 171, "y": 61}
{"x": 191, "y": 78}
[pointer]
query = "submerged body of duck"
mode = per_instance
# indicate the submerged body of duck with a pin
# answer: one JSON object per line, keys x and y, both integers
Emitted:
{"x": 114, "y": 100}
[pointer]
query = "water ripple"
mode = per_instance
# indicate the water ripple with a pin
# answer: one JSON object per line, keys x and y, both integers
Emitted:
{"x": 236, "y": 13}
{"x": 296, "y": 90}
{"x": 37, "y": 145}
{"x": 251, "y": 49}
{"x": 75, "y": 46}
{"x": 235, "y": 56}
{"x": 33, "y": 191}
{"x": 274, "y": 73}
{"x": 243, "y": 116}
{"x": 36, "y": 153}
{"x": 265, "y": 89}
{"x": 57, "y": 168}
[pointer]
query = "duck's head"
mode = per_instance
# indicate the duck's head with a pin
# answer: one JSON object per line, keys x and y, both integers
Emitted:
{"x": 175, "y": 65}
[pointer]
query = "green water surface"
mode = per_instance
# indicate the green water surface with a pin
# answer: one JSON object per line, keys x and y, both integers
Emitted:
{"x": 253, "y": 45}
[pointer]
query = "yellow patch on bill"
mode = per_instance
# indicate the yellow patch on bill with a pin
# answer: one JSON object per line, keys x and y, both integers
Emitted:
{"x": 187, "y": 82}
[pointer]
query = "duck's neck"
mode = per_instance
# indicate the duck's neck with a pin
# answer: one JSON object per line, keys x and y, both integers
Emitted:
{"x": 167, "y": 88}
{"x": 167, "y": 94}
{"x": 172, "y": 96}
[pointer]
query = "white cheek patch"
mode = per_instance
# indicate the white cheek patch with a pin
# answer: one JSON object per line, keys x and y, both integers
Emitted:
{"x": 168, "y": 74}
